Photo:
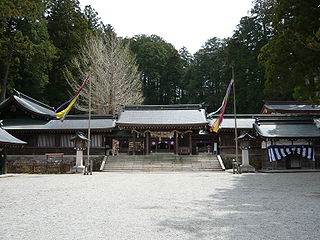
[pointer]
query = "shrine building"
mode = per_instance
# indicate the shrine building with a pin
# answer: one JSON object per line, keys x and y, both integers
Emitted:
{"x": 283, "y": 135}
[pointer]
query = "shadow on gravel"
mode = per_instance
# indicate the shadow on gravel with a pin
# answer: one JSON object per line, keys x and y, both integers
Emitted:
{"x": 259, "y": 206}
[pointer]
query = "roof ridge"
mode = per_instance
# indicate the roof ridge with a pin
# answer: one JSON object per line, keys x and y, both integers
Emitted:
{"x": 93, "y": 116}
{"x": 300, "y": 119}
{"x": 164, "y": 107}
{"x": 19, "y": 94}
{"x": 287, "y": 102}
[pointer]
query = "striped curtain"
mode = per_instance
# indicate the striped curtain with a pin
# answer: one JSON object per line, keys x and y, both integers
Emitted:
{"x": 96, "y": 141}
{"x": 276, "y": 153}
{"x": 65, "y": 141}
{"x": 46, "y": 141}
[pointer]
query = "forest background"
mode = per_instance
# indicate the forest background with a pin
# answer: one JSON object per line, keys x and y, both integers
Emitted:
{"x": 275, "y": 53}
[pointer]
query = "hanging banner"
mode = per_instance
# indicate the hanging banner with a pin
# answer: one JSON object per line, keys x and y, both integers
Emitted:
{"x": 276, "y": 153}
{"x": 217, "y": 123}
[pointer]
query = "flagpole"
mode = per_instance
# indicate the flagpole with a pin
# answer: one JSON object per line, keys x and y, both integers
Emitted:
{"x": 89, "y": 163}
{"x": 235, "y": 116}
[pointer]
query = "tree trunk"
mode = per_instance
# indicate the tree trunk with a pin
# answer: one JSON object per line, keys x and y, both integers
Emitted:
{"x": 5, "y": 79}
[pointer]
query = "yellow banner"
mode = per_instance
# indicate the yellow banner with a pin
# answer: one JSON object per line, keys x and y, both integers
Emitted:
{"x": 61, "y": 115}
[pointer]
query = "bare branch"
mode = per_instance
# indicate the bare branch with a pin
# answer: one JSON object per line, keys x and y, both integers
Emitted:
{"x": 114, "y": 75}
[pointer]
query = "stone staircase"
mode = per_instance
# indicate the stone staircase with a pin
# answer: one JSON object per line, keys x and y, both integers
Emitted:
{"x": 162, "y": 163}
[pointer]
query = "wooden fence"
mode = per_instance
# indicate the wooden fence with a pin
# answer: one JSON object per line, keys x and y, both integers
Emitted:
{"x": 34, "y": 167}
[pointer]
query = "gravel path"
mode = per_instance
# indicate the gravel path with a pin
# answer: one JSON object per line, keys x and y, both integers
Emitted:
{"x": 206, "y": 205}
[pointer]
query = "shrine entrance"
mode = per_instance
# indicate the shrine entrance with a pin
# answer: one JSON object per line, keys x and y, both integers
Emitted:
{"x": 162, "y": 142}
{"x": 145, "y": 142}
{"x": 164, "y": 145}
{"x": 162, "y": 128}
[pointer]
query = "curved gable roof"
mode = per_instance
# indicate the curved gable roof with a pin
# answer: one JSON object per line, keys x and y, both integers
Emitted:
{"x": 72, "y": 122}
{"x": 186, "y": 115}
{"x": 289, "y": 107}
{"x": 28, "y": 104}
{"x": 287, "y": 127}
{"x": 7, "y": 138}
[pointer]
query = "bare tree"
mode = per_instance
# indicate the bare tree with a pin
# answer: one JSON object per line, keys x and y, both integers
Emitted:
{"x": 113, "y": 73}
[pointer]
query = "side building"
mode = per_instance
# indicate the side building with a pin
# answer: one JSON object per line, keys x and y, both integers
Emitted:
{"x": 35, "y": 123}
{"x": 6, "y": 140}
{"x": 290, "y": 135}
{"x": 288, "y": 141}
{"x": 282, "y": 139}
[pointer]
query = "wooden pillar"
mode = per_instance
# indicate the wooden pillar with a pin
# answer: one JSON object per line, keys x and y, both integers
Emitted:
{"x": 266, "y": 157}
{"x": 190, "y": 143}
{"x": 134, "y": 144}
{"x": 147, "y": 143}
{"x": 177, "y": 143}
{"x": 314, "y": 164}
{"x": 3, "y": 162}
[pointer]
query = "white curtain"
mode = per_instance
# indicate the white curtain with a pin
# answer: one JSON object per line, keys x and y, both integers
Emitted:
{"x": 65, "y": 141}
{"x": 96, "y": 141}
{"x": 46, "y": 141}
{"x": 276, "y": 153}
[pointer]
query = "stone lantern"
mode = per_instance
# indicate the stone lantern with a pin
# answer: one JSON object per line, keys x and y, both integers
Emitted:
{"x": 80, "y": 143}
{"x": 245, "y": 144}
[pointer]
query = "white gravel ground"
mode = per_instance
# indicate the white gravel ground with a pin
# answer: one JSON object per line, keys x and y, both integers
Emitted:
{"x": 206, "y": 205}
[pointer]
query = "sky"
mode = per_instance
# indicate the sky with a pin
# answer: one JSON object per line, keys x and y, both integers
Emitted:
{"x": 183, "y": 23}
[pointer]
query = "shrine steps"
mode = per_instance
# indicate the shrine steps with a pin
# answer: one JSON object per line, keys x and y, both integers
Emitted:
{"x": 162, "y": 163}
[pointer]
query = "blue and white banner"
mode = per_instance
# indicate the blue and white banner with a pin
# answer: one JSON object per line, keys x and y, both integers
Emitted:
{"x": 276, "y": 153}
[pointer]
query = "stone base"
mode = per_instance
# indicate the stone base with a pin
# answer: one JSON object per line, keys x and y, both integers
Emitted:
{"x": 247, "y": 168}
{"x": 77, "y": 169}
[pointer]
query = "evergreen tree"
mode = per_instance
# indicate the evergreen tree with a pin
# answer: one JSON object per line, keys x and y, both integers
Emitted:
{"x": 26, "y": 51}
{"x": 291, "y": 58}
{"x": 209, "y": 74}
{"x": 205, "y": 79}
{"x": 68, "y": 29}
{"x": 186, "y": 60}
{"x": 161, "y": 68}
{"x": 35, "y": 66}
{"x": 242, "y": 52}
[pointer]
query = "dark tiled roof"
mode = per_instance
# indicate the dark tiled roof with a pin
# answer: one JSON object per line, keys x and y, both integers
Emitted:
{"x": 29, "y": 104}
{"x": 244, "y": 121}
{"x": 7, "y": 138}
{"x": 229, "y": 123}
{"x": 287, "y": 127}
{"x": 163, "y": 107}
{"x": 291, "y": 106}
{"x": 291, "y": 118}
{"x": 71, "y": 123}
{"x": 163, "y": 115}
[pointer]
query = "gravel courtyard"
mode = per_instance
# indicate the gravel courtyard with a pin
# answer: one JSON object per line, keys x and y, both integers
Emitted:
{"x": 184, "y": 205}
